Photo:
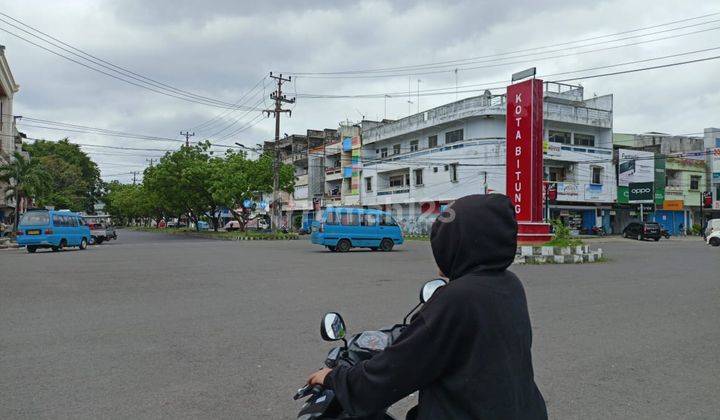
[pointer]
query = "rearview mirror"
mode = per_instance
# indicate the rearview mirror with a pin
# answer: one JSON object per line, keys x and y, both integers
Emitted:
{"x": 430, "y": 288}
{"x": 332, "y": 327}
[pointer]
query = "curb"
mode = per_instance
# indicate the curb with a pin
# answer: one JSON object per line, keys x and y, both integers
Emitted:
{"x": 579, "y": 254}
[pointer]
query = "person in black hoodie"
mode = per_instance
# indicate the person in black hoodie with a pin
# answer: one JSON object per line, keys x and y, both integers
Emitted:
{"x": 468, "y": 350}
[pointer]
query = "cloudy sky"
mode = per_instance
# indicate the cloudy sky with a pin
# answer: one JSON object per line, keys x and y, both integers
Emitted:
{"x": 222, "y": 49}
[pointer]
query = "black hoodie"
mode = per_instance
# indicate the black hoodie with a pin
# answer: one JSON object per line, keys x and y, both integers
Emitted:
{"x": 468, "y": 350}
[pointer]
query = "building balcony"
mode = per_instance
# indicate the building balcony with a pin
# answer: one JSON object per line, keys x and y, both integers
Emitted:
{"x": 577, "y": 115}
{"x": 455, "y": 111}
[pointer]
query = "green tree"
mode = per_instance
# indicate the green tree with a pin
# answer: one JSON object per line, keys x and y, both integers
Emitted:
{"x": 182, "y": 180}
{"x": 237, "y": 179}
{"x": 25, "y": 178}
{"x": 76, "y": 178}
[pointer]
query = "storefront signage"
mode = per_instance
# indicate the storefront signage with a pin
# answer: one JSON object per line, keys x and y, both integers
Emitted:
{"x": 641, "y": 192}
{"x": 525, "y": 149}
{"x": 635, "y": 166}
{"x": 593, "y": 191}
{"x": 567, "y": 191}
{"x": 675, "y": 205}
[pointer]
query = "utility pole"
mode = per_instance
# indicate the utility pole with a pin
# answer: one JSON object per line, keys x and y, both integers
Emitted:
{"x": 279, "y": 99}
{"x": 187, "y": 135}
{"x": 134, "y": 177}
{"x": 152, "y": 160}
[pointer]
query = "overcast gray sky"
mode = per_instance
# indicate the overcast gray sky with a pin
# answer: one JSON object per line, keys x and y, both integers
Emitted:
{"x": 221, "y": 49}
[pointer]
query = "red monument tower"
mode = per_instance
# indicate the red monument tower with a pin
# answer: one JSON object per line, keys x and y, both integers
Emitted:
{"x": 524, "y": 158}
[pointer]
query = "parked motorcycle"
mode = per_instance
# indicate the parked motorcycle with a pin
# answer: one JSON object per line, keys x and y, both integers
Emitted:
{"x": 322, "y": 403}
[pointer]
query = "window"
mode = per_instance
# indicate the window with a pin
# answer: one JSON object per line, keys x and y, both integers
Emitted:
{"x": 383, "y": 152}
{"x": 446, "y": 168}
{"x": 584, "y": 140}
{"x": 418, "y": 176}
{"x": 35, "y": 218}
{"x": 694, "y": 182}
{"x": 331, "y": 218}
{"x": 597, "y": 175}
{"x": 559, "y": 137}
{"x": 453, "y": 136}
{"x": 397, "y": 180}
{"x": 453, "y": 173}
{"x": 435, "y": 169}
{"x": 57, "y": 221}
{"x": 387, "y": 220}
{"x": 396, "y": 149}
{"x": 556, "y": 174}
{"x": 369, "y": 220}
{"x": 377, "y": 150}
{"x": 414, "y": 146}
{"x": 368, "y": 184}
{"x": 432, "y": 142}
{"x": 349, "y": 219}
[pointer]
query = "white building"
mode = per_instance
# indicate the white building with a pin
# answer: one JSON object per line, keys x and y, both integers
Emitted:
{"x": 10, "y": 139}
{"x": 711, "y": 139}
{"x": 415, "y": 165}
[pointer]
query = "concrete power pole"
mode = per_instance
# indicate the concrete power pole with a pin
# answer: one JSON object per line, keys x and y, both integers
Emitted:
{"x": 187, "y": 135}
{"x": 279, "y": 99}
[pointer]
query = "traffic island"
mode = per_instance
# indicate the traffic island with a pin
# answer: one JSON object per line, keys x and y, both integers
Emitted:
{"x": 6, "y": 243}
{"x": 544, "y": 254}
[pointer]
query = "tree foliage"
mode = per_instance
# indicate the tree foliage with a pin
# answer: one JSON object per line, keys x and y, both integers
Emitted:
{"x": 76, "y": 183}
{"x": 194, "y": 183}
{"x": 24, "y": 178}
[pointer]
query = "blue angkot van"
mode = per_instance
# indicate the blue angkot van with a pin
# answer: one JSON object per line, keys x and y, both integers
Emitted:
{"x": 341, "y": 229}
{"x": 52, "y": 229}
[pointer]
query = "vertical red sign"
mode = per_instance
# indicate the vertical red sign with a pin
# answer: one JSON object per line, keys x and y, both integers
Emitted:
{"x": 524, "y": 149}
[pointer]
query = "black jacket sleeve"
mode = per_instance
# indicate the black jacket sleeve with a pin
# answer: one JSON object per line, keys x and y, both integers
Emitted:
{"x": 417, "y": 358}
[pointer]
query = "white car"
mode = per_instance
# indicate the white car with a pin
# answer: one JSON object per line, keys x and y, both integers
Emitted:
{"x": 232, "y": 225}
{"x": 714, "y": 238}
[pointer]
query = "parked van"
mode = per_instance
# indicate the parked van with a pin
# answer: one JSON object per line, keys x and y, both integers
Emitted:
{"x": 713, "y": 225}
{"x": 52, "y": 229}
{"x": 340, "y": 229}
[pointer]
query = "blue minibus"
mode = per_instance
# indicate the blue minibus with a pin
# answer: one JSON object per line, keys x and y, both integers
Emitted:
{"x": 55, "y": 229}
{"x": 340, "y": 229}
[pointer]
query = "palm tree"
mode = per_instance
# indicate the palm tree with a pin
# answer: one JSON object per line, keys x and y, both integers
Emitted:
{"x": 25, "y": 178}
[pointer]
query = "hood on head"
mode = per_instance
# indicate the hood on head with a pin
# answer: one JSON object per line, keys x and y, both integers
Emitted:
{"x": 476, "y": 233}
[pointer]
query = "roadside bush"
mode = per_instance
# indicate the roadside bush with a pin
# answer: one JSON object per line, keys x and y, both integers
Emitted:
{"x": 562, "y": 235}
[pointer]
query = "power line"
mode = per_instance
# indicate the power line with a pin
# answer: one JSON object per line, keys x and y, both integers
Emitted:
{"x": 494, "y": 85}
{"x": 150, "y": 87}
{"x": 525, "y": 56}
{"x": 208, "y": 123}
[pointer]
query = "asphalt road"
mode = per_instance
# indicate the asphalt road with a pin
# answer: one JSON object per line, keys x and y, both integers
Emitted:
{"x": 161, "y": 326}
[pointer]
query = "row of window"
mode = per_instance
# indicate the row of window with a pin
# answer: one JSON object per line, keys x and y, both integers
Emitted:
{"x": 450, "y": 137}
{"x": 565, "y": 137}
{"x": 402, "y": 180}
{"x": 67, "y": 221}
{"x": 355, "y": 219}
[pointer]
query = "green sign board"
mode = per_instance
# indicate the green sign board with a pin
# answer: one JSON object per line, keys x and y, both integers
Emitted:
{"x": 641, "y": 192}
{"x": 623, "y": 193}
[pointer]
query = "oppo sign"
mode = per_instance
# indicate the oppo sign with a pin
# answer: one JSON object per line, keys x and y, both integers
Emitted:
{"x": 641, "y": 192}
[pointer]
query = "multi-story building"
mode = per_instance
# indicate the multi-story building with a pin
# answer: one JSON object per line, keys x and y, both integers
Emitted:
{"x": 712, "y": 150}
{"x": 679, "y": 182}
{"x": 10, "y": 138}
{"x": 415, "y": 165}
{"x": 306, "y": 153}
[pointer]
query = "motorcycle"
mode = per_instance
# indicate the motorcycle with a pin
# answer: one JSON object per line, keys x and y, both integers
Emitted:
{"x": 322, "y": 403}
